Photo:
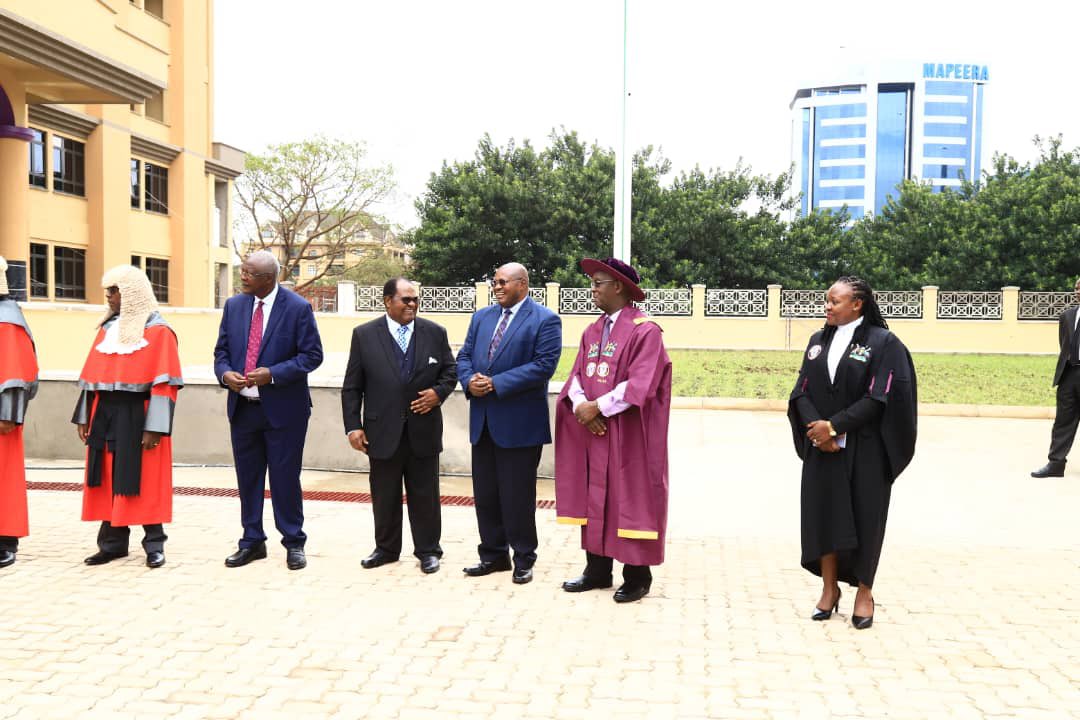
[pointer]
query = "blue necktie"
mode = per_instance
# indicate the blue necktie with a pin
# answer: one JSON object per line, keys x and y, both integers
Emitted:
{"x": 403, "y": 337}
{"x": 499, "y": 333}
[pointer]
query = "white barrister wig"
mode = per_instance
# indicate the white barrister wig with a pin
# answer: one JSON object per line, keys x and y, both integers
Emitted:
{"x": 3, "y": 277}
{"x": 137, "y": 302}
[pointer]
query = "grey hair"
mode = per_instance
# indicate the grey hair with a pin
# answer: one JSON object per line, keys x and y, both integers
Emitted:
{"x": 267, "y": 257}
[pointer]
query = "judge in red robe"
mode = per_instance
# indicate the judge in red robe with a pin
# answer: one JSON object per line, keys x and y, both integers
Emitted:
{"x": 125, "y": 415}
{"x": 18, "y": 385}
{"x": 611, "y": 433}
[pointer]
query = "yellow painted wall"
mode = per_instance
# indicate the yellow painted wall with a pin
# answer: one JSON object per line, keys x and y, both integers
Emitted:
{"x": 113, "y": 28}
{"x": 63, "y": 333}
{"x": 177, "y": 51}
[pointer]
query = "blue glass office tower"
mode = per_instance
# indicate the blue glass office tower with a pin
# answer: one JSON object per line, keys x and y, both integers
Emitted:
{"x": 855, "y": 140}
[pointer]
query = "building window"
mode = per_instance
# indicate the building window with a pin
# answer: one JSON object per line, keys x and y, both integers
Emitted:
{"x": 155, "y": 8}
{"x": 136, "y": 261}
{"x": 69, "y": 175}
{"x": 295, "y": 272}
{"x": 39, "y": 270}
{"x": 69, "y": 271}
{"x": 158, "y": 272}
{"x": 136, "y": 185}
{"x": 311, "y": 270}
{"x": 37, "y": 159}
{"x": 221, "y": 285}
{"x": 154, "y": 107}
{"x": 157, "y": 188}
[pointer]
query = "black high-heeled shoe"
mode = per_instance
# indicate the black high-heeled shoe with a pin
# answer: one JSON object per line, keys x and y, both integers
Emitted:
{"x": 820, "y": 614}
{"x": 860, "y": 622}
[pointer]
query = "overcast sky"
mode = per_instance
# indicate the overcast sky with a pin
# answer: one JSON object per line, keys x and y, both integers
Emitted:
{"x": 420, "y": 81}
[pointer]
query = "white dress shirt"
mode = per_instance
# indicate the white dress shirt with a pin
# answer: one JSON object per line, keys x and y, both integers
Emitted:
{"x": 393, "y": 326}
{"x": 513, "y": 314}
{"x": 268, "y": 305}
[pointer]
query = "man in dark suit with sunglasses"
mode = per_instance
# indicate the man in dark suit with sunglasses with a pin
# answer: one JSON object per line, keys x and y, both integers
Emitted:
{"x": 399, "y": 373}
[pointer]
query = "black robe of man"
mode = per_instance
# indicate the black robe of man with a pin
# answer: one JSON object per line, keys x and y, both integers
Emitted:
{"x": 845, "y": 495}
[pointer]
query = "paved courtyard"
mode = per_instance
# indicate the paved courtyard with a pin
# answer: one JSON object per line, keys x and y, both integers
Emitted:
{"x": 978, "y": 604}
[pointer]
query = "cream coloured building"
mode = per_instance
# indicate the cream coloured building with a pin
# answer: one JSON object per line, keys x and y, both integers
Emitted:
{"x": 107, "y": 152}
{"x": 311, "y": 258}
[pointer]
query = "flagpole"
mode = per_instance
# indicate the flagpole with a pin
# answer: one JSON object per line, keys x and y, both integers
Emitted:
{"x": 624, "y": 167}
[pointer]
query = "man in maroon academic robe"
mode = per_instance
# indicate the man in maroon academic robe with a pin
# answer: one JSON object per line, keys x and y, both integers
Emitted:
{"x": 611, "y": 428}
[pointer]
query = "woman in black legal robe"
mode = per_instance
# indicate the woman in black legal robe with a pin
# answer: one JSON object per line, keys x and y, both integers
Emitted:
{"x": 853, "y": 416}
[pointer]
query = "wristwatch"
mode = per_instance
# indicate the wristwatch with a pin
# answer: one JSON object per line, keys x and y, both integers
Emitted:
{"x": 832, "y": 430}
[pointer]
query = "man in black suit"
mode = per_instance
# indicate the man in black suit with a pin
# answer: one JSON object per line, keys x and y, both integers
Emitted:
{"x": 1067, "y": 379}
{"x": 400, "y": 371}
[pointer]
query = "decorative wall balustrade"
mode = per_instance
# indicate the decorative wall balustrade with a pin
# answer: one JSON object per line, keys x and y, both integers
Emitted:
{"x": 435, "y": 299}
{"x": 576, "y": 301}
{"x": 736, "y": 303}
{"x": 538, "y": 294}
{"x": 1043, "y": 305}
{"x": 900, "y": 303}
{"x": 802, "y": 303}
{"x": 969, "y": 305}
{"x": 658, "y": 301}
{"x": 667, "y": 301}
{"x": 751, "y": 303}
{"x": 369, "y": 299}
{"x": 811, "y": 303}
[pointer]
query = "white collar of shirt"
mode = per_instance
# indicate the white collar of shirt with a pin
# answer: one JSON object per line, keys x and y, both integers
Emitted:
{"x": 268, "y": 302}
{"x": 393, "y": 325}
{"x": 513, "y": 314}
{"x": 515, "y": 307}
{"x": 840, "y": 341}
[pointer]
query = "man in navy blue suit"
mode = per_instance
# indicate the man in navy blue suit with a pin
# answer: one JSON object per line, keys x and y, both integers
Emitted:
{"x": 267, "y": 345}
{"x": 510, "y": 353}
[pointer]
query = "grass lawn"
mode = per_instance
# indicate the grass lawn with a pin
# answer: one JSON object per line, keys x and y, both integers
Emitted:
{"x": 976, "y": 379}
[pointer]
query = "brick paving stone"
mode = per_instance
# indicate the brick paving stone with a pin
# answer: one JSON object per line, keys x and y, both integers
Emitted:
{"x": 966, "y": 626}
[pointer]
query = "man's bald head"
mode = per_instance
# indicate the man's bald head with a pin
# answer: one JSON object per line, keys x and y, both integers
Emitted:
{"x": 511, "y": 284}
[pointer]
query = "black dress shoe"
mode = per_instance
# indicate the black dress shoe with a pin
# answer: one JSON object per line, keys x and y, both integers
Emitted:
{"x": 295, "y": 559}
{"x": 860, "y": 622}
{"x": 6, "y": 558}
{"x": 629, "y": 592}
{"x": 583, "y": 583}
{"x": 101, "y": 557}
{"x": 245, "y": 555}
{"x": 155, "y": 559}
{"x": 820, "y": 615}
{"x": 378, "y": 558}
{"x": 1050, "y": 469}
{"x": 522, "y": 576}
{"x": 429, "y": 564}
{"x": 486, "y": 568}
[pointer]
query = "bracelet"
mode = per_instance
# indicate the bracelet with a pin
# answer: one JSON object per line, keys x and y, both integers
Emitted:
{"x": 832, "y": 430}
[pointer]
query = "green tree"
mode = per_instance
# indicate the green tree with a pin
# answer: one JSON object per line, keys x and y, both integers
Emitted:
{"x": 309, "y": 201}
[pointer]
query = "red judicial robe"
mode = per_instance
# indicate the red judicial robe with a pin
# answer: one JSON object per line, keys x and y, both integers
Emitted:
{"x": 154, "y": 371}
{"x": 616, "y": 486}
{"x": 18, "y": 383}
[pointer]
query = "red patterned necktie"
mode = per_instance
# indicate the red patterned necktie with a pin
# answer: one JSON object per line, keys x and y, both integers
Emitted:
{"x": 499, "y": 333}
{"x": 254, "y": 338}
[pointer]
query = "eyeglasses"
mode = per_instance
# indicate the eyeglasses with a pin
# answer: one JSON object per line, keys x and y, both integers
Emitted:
{"x": 248, "y": 273}
{"x": 597, "y": 283}
{"x": 411, "y": 300}
{"x": 502, "y": 283}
